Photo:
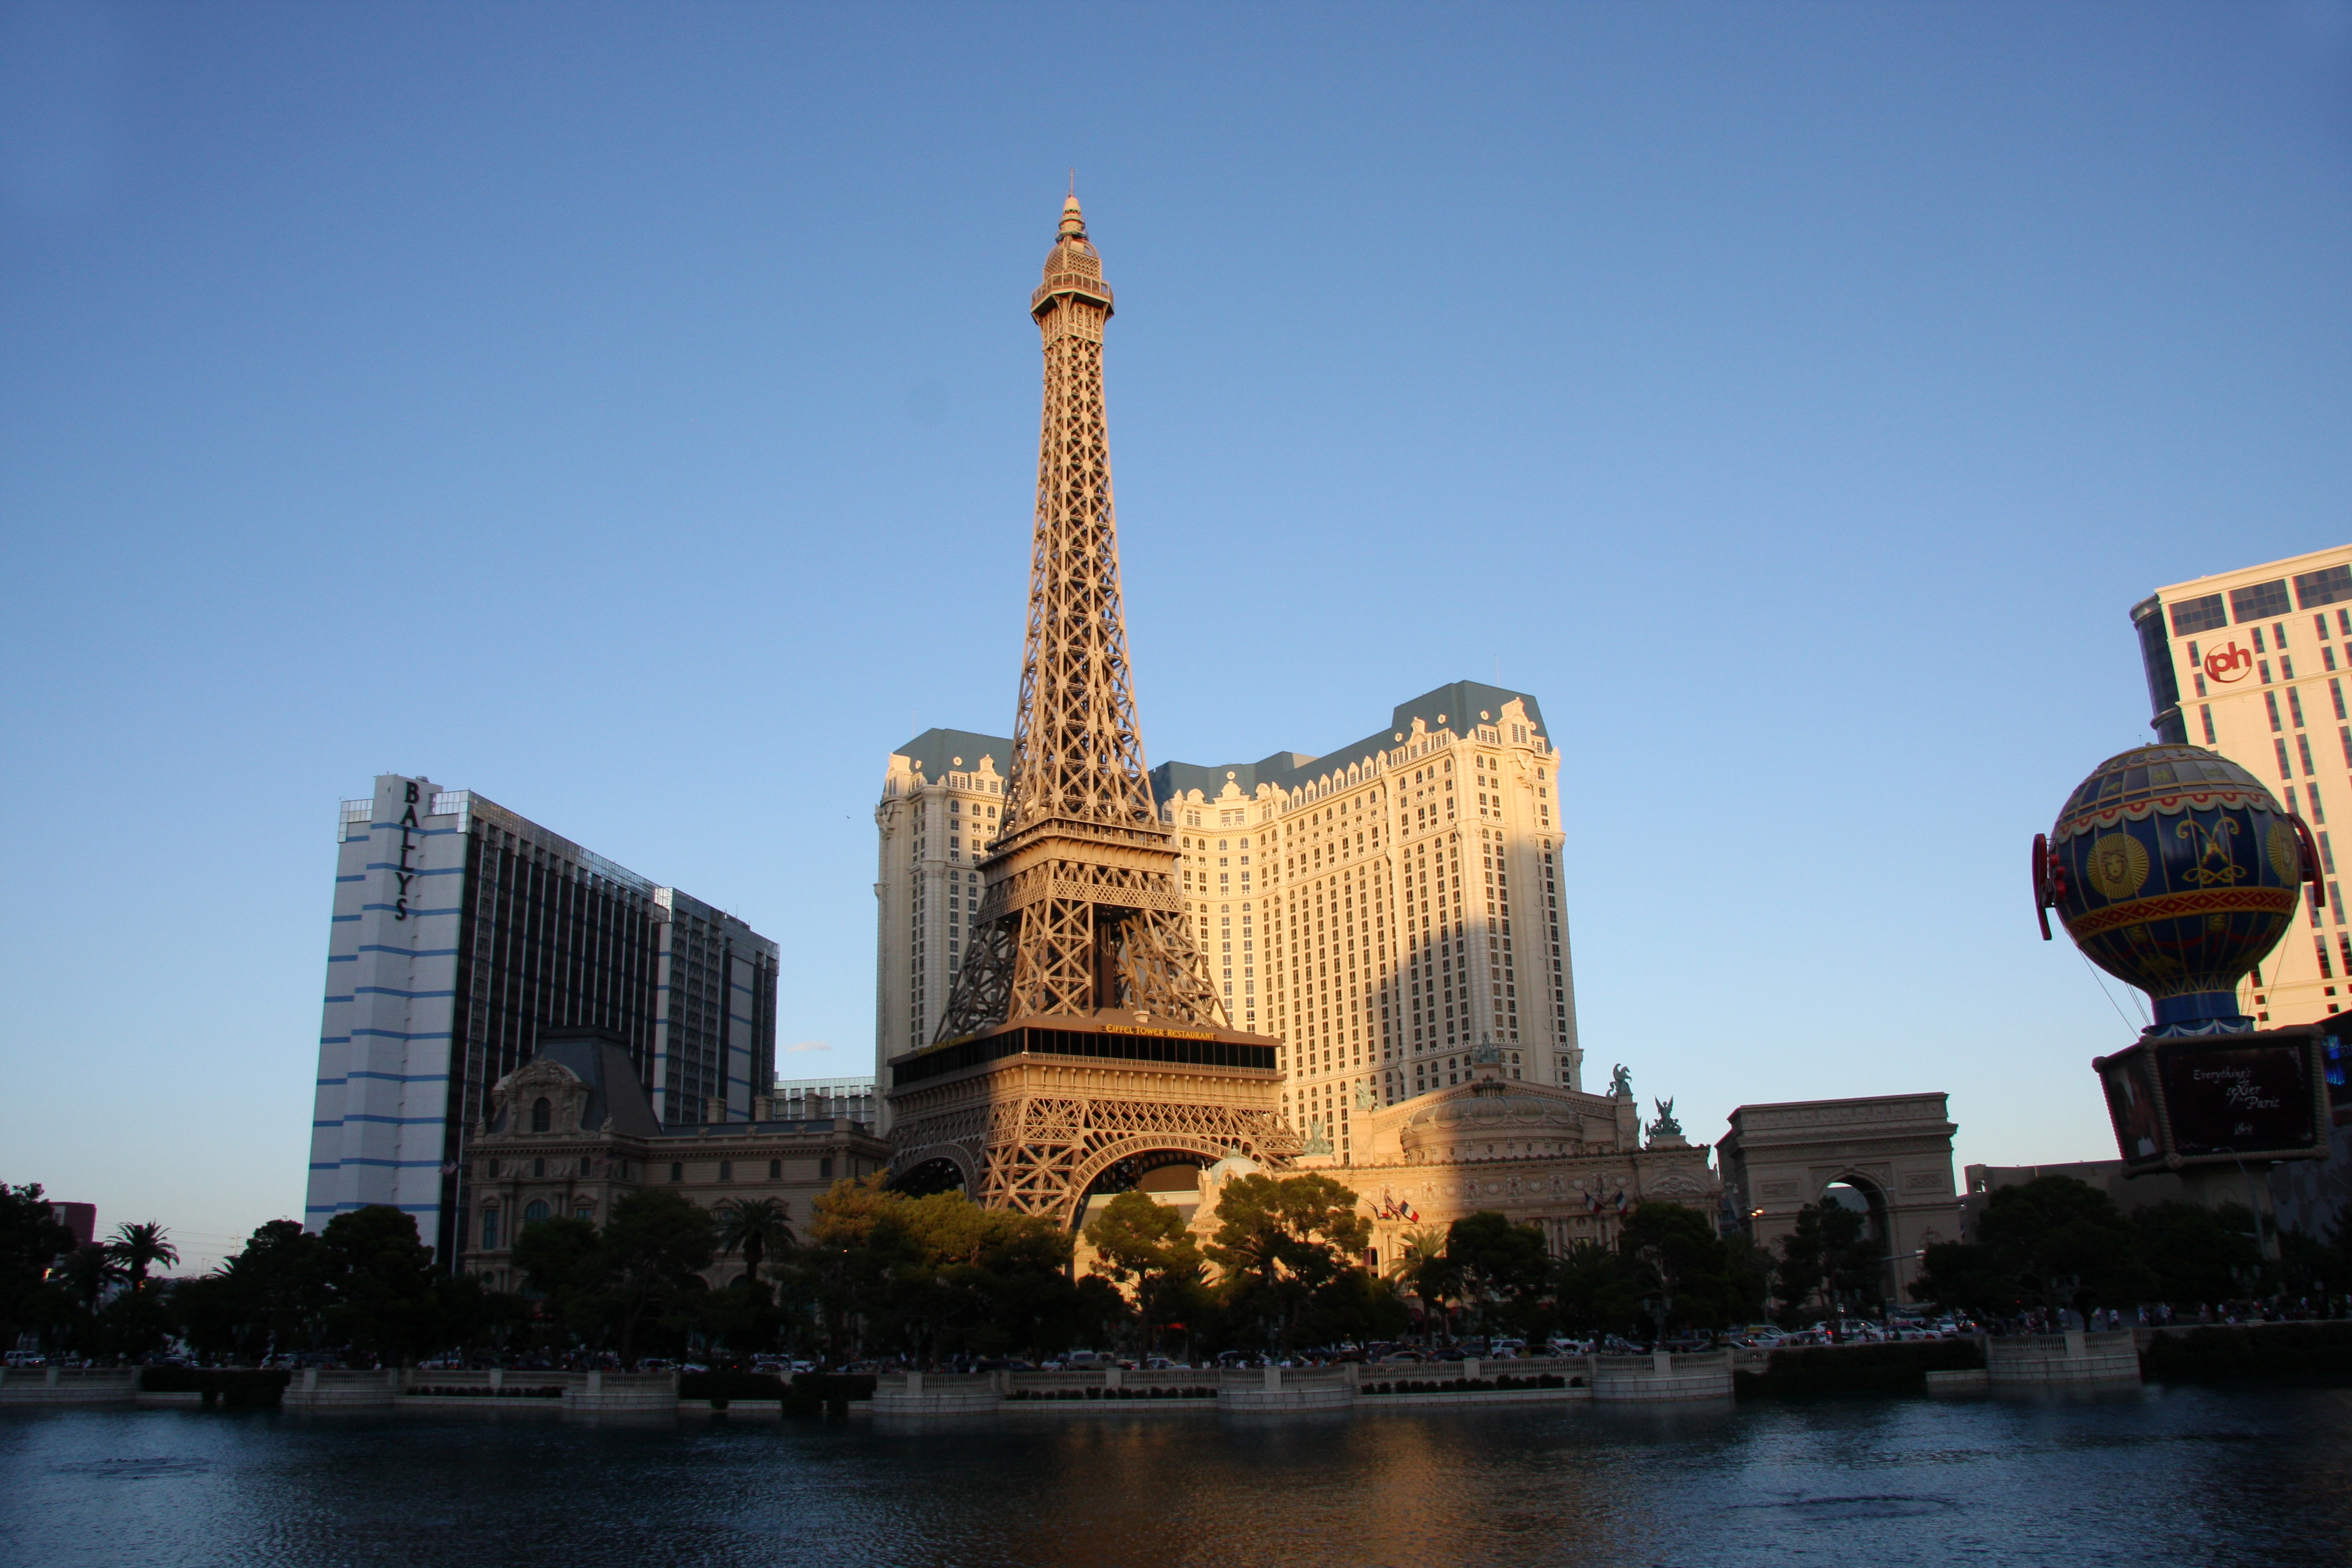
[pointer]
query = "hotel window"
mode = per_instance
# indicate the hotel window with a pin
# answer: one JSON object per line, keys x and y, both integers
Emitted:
{"x": 2295, "y": 706}
{"x": 2285, "y": 770}
{"x": 2303, "y": 745}
{"x": 2270, "y": 702}
{"x": 535, "y": 1212}
{"x": 824, "y": 1169}
{"x": 676, "y": 1172}
{"x": 775, "y": 1170}
{"x": 2198, "y": 615}
{"x": 490, "y": 1229}
{"x": 543, "y": 1113}
{"x": 726, "y": 1170}
{"x": 2324, "y": 972}
{"x": 2260, "y": 602}
{"x": 2205, "y": 712}
{"x": 2327, "y": 585}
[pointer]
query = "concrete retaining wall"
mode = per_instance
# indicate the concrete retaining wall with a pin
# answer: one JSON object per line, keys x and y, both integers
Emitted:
{"x": 69, "y": 1385}
{"x": 2074, "y": 1357}
{"x": 1662, "y": 1377}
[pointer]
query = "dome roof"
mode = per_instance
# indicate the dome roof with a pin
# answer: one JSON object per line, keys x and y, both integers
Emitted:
{"x": 1494, "y": 1109}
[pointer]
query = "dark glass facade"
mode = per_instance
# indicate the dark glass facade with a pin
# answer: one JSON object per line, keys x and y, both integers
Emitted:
{"x": 2156, "y": 659}
{"x": 552, "y": 937}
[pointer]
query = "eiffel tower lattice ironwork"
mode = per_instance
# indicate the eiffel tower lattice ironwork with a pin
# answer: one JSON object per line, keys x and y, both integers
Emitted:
{"x": 1082, "y": 909}
{"x": 1083, "y": 1041}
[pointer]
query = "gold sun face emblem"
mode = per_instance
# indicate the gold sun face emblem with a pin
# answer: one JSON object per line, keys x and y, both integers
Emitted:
{"x": 2286, "y": 855}
{"x": 2117, "y": 866}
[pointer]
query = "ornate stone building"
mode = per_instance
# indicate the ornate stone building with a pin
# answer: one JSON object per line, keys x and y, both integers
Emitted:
{"x": 572, "y": 1129}
{"x": 1570, "y": 1163}
{"x": 1892, "y": 1151}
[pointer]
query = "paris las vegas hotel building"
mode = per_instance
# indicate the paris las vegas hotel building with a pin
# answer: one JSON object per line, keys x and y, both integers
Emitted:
{"x": 1385, "y": 910}
{"x": 2255, "y": 663}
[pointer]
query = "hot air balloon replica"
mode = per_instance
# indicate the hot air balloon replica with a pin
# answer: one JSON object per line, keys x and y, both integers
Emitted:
{"x": 2174, "y": 869}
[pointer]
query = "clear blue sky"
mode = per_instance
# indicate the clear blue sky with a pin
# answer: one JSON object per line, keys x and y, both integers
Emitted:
{"x": 1793, "y": 398}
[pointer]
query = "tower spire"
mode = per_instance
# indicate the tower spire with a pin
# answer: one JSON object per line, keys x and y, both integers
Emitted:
{"x": 1082, "y": 882}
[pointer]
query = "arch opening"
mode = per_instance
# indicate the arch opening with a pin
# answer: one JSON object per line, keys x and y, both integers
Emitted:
{"x": 921, "y": 1180}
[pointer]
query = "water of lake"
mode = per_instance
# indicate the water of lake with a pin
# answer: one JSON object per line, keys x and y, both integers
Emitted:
{"x": 2150, "y": 1477}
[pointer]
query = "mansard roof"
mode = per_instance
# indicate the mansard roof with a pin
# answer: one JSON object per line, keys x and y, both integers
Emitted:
{"x": 1457, "y": 707}
{"x": 934, "y": 753}
{"x": 599, "y": 1058}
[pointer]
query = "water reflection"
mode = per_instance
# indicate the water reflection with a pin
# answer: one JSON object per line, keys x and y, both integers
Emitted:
{"x": 2153, "y": 1476}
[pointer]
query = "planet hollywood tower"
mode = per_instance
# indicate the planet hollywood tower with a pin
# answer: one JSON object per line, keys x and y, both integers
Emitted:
{"x": 1084, "y": 1044}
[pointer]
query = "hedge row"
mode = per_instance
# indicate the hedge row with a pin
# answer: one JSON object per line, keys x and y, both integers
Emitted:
{"x": 1476, "y": 1384}
{"x": 2305, "y": 1352}
{"x": 1853, "y": 1369}
{"x": 224, "y": 1385}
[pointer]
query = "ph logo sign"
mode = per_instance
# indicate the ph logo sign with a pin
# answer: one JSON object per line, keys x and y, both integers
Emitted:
{"x": 2228, "y": 664}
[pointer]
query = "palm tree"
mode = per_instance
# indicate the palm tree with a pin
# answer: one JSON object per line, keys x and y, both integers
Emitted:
{"x": 138, "y": 1248}
{"x": 85, "y": 1272}
{"x": 755, "y": 1227}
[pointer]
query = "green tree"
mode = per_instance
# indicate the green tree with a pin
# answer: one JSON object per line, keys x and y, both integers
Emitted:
{"x": 139, "y": 1247}
{"x": 1281, "y": 1241}
{"x": 84, "y": 1278}
{"x": 1596, "y": 1289}
{"x": 1687, "y": 1275}
{"x": 1963, "y": 1277}
{"x": 2065, "y": 1244}
{"x": 1500, "y": 1270}
{"x": 277, "y": 1300}
{"x": 759, "y": 1228}
{"x": 564, "y": 1291}
{"x": 1830, "y": 1255}
{"x": 31, "y": 1241}
{"x": 381, "y": 1296}
{"x": 1145, "y": 1244}
{"x": 2195, "y": 1253}
{"x": 654, "y": 1250}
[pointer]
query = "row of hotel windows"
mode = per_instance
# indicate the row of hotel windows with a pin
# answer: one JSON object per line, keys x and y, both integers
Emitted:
{"x": 2266, "y": 601}
{"x": 539, "y": 1169}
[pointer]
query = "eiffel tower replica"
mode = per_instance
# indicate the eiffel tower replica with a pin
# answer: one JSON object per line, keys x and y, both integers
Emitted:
{"x": 1084, "y": 1043}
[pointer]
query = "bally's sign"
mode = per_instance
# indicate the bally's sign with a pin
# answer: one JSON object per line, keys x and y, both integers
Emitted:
{"x": 410, "y": 843}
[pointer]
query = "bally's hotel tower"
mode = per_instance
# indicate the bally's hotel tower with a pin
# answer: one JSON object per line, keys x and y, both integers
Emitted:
{"x": 462, "y": 930}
